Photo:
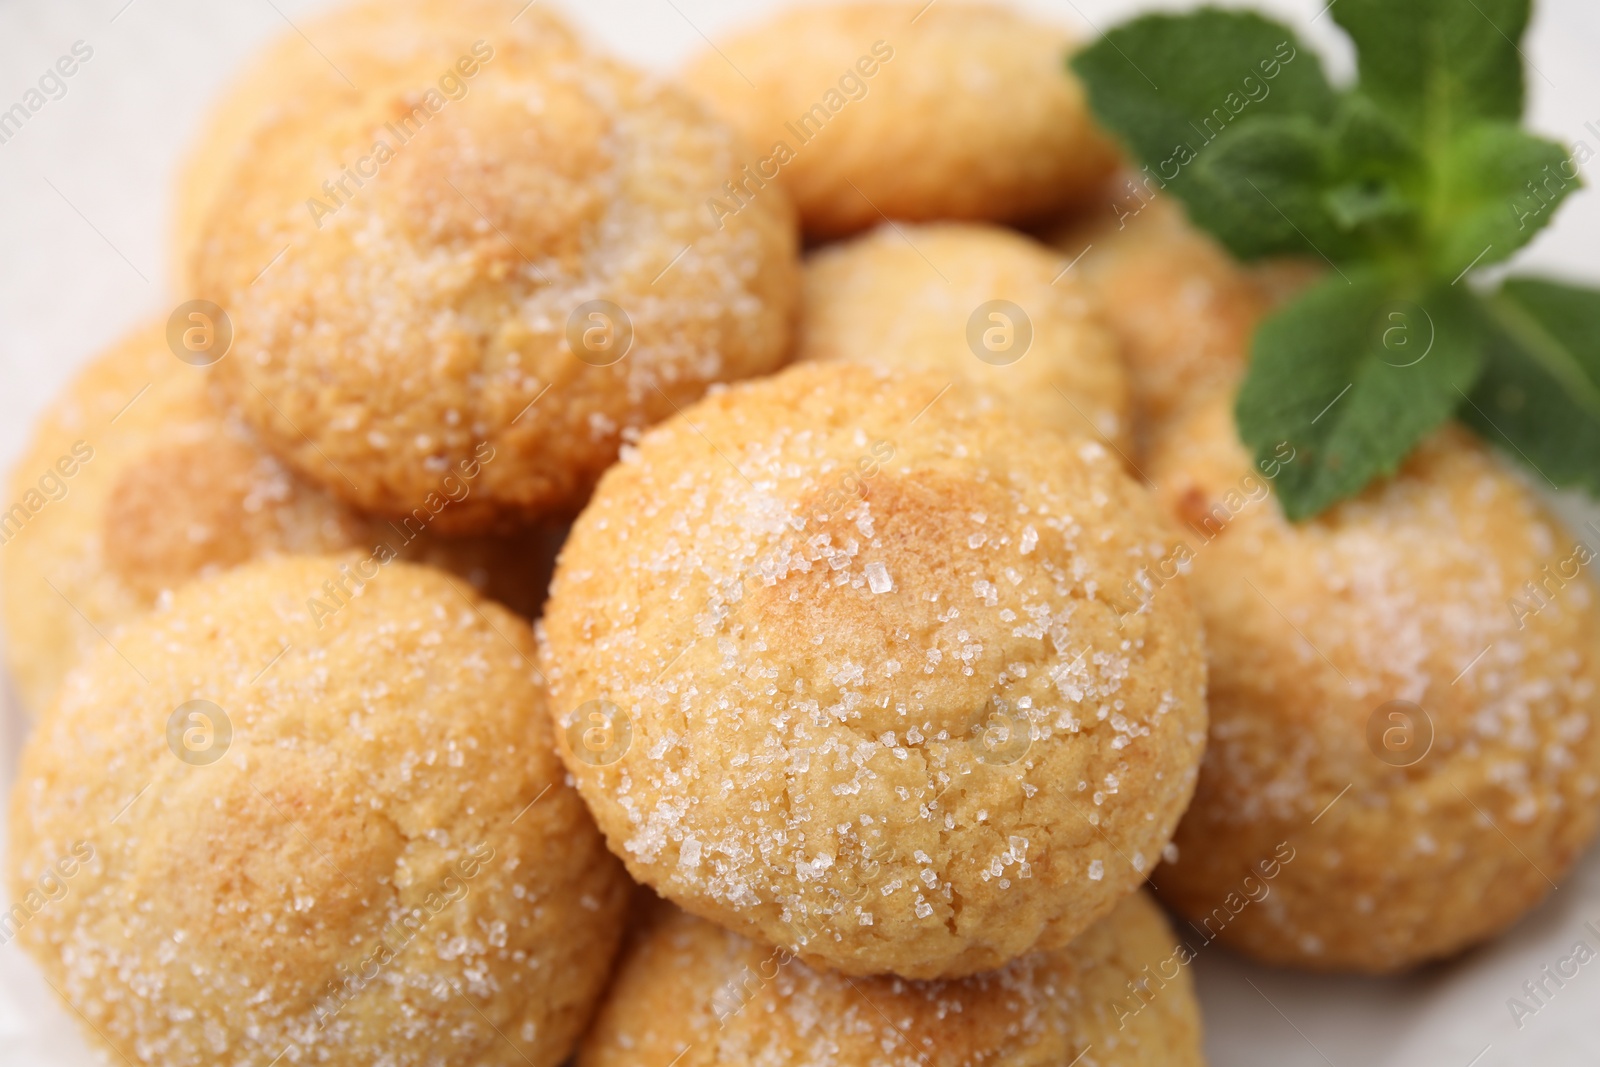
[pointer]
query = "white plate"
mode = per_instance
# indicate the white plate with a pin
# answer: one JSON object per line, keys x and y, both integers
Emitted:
{"x": 84, "y": 214}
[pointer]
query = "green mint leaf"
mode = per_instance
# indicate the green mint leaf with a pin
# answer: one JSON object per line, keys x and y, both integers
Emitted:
{"x": 1496, "y": 186}
{"x": 1352, "y": 374}
{"x": 1342, "y": 189}
{"x": 1539, "y": 397}
{"x": 1170, "y": 85}
{"x": 1260, "y": 190}
{"x": 1439, "y": 65}
{"x": 1380, "y": 176}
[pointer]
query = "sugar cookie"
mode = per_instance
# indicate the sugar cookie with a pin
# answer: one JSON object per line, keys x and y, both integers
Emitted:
{"x": 1402, "y": 732}
{"x": 327, "y": 61}
{"x": 346, "y": 836}
{"x": 838, "y": 662}
{"x": 690, "y": 990}
{"x": 521, "y": 262}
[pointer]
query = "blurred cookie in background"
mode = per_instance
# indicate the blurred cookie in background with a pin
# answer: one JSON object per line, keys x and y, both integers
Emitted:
{"x": 914, "y": 111}
{"x": 1182, "y": 309}
{"x": 987, "y": 306}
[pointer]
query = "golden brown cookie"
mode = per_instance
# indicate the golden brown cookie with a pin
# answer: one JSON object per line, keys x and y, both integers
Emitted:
{"x": 1183, "y": 310}
{"x": 710, "y": 998}
{"x": 342, "y": 836}
{"x": 135, "y": 483}
{"x": 1403, "y": 729}
{"x": 905, "y": 110}
{"x": 839, "y": 663}
{"x": 983, "y": 305}
{"x": 329, "y": 60}
{"x": 524, "y": 264}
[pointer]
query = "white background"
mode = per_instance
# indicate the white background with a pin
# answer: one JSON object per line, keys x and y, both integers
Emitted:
{"x": 83, "y": 261}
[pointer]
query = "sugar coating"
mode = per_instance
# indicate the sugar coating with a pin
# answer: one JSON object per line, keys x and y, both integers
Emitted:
{"x": 914, "y": 780}
{"x": 1182, "y": 309}
{"x": 436, "y": 308}
{"x": 968, "y": 112}
{"x": 1404, "y": 593}
{"x": 390, "y": 782}
{"x": 177, "y": 488}
{"x": 710, "y": 997}
{"x": 906, "y": 296}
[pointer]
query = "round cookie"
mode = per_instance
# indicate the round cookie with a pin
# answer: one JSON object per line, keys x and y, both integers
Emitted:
{"x": 358, "y": 846}
{"x": 906, "y": 111}
{"x": 1403, "y": 730}
{"x": 690, "y": 990}
{"x": 357, "y": 44}
{"x": 1182, "y": 309}
{"x": 840, "y": 663}
{"x": 530, "y": 266}
{"x": 135, "y": 482}
{"x": 983, "y": 305}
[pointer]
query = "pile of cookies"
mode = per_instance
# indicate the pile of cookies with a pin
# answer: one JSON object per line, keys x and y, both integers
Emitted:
{"x": 869, "y": 691}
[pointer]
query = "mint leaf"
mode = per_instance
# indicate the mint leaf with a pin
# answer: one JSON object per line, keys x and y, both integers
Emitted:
{"x": 1381, "y": 181}
{"x": 1439, "y": 65}
{"x": 1539, "y": 397}
{"x": 1352, "y": 375}
{"x": 1341, "y": 189}
{"x": 1169, "y": 85}
{"x": 1260, "y": 189}
{"x": 1355, "y": 189}
{"x": 1497, "y": 186}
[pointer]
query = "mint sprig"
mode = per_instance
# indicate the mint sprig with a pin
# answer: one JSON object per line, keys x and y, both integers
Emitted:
{"x": 1405, "y": 183}
{"x": 1439, "y": 65}
{"x": 1352, "y": 375}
